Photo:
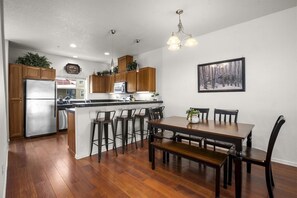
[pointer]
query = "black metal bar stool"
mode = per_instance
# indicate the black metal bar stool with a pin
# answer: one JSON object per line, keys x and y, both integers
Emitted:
{"x": 125, "y": 116}
{"x": 103, "y": 118}
{"x": 142, "y": 114}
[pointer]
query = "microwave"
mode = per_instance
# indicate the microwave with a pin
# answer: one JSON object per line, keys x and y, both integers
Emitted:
{"x": 120, "y": 87}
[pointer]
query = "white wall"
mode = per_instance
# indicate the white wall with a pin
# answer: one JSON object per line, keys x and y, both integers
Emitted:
{"x": 269, "y": 45}
{"x": 3, "y": 110}
{"x": 58, "y": 63}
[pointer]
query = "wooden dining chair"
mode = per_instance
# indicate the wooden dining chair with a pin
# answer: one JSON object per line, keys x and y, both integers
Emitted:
{"x": 223, "y": 115}
{"x": 203, "y": 115}
{"x": 263, "y": 158}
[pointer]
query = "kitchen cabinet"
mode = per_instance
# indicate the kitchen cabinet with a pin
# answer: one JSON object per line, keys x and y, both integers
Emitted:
{"x": 71, "y": 131}
{"x": 109, "y": 83}
{"x": 123, "y": 62}
{"x": 131, "y": 77}
{"x": 120, "y": 77}
{"x": 97, "y": 84}
{"x": 16, "y": 102}
{"x": 30, "y": 72}
{"x": 146, "y": 79}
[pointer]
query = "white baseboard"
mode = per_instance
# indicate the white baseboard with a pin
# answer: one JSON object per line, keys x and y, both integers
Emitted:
{"x": 284, "y": 162}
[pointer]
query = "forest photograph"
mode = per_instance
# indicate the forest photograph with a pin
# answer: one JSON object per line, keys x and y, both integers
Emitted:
{"x": 227, "y": 75}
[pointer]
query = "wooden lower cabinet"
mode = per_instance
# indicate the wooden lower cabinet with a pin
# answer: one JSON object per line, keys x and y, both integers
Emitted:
{"x": 131, "y": 77}
{"x": 16, "y": 118}
{"x": 71, "y": 131}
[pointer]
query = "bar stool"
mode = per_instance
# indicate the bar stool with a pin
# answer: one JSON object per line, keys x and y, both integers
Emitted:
{"x": 103, "y": 118}
{"x": 142, "y": 114}
{"x": 125, "y": 116}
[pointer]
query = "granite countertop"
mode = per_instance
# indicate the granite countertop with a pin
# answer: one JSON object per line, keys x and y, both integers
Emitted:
{"x": 94, "y": 103}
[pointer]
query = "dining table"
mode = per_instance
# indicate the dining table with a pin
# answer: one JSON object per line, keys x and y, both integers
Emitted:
{"x": 230, "y": 132}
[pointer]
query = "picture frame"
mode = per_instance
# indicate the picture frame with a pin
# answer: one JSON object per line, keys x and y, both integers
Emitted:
{"x": 222, "y": 76}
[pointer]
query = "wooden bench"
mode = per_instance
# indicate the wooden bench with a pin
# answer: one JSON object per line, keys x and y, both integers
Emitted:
{"x": 194, "y": 153}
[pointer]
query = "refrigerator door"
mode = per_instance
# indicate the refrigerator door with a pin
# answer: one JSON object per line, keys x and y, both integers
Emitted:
{"x": 40, "y": 89}
{"x": 40, "y": 117}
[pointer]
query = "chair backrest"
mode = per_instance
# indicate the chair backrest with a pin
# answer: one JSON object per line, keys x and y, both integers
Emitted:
{"x": 275, "y": 131}
{"x": 203, "y": 112}
{"x": 127, "y": 112}
{"x": 105, "y": 115}
{"x": 156, "y": 113}
{"x": 223, "y": 115}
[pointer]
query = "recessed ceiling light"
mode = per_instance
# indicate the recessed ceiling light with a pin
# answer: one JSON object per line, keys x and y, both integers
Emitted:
{"x": 75, "y": 56}
{"x": 72, "y": 45}
{"x": 106, "y": 53}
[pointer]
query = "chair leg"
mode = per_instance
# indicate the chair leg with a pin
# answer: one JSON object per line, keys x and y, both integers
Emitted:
{"x": 123, "y": 136}
{"x": 100, "y": 131}
{"x": 230, "y": 169}
{"x": 153, "y": 157}
{"x": 114, "y": 139}
{"x": 268, "y": 180}
{"x": 225, "y": 174}
{"x": 92, "y": 136}
{"x": 271, "y": 176}
{"x": 134, "y": 133}
{"x": 218, "y": 177}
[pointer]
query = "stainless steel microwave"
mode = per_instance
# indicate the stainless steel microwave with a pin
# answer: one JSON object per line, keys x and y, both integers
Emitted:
{"x": 120, "y": 87}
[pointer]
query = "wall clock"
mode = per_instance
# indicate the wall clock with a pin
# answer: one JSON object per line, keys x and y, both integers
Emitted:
{"x": 72, "y": 68}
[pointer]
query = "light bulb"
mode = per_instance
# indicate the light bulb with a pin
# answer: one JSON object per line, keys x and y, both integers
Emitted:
{"x": 174, "y": 47}
{"x": 173, "y": 40}
{"x": 190, "y": 42}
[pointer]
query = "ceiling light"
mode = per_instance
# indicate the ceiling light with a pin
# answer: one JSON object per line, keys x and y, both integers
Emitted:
{"x": 72, "y": 45}
{"x": 106, "y": 53}
{"x": 75, "y": 56}
{"x": 180, "y": 38}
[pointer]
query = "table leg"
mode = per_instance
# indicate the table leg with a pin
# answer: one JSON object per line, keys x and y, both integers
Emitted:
{"x": 249, "y": 144}
{"x": 238, "y": 175}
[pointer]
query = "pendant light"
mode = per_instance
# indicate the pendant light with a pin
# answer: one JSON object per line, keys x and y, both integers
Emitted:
{"x": 112, "y": 62}
{"x": 137, "y": 42}
{"x": 180, "y": 38}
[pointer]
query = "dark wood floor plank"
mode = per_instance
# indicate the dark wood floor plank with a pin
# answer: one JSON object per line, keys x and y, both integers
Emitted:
{"x": 43, "y": 167}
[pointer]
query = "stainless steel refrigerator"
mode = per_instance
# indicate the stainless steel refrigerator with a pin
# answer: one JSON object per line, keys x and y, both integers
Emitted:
{"x": 40, "y": 107}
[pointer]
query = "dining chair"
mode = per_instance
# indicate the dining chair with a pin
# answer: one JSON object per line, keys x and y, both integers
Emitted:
{"x": 223, "y": 115}
{"x": 263, "y": 158}
{"x": 203, "y": 115}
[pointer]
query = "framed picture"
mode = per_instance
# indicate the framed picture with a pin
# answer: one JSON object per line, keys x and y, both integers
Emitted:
{"x": 222, "y": 76}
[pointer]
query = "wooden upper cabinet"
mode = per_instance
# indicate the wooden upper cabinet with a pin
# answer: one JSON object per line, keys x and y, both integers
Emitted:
{"x": 97, "y": 84}
{"x": 38, "y": 73}
{"x": 131, "y": 77}
{"x": 109, "y": 84}
{"x": 31, "y": 72}
{"x": 47, "y": 74}
{"x": 120, "y": 77}
{"x": 146, "y": 79}
{"x": 123, "y": 62}
{"x": 15, "y": 81}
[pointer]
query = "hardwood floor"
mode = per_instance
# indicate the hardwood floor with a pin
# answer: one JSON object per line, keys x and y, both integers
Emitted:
{"x": 43, "y": 167}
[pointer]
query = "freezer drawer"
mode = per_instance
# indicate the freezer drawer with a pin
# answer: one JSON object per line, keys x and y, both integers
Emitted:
{"x": 40, "y": 117}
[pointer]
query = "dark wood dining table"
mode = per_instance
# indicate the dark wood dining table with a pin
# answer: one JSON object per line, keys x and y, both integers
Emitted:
{"x": 234, "y": 133}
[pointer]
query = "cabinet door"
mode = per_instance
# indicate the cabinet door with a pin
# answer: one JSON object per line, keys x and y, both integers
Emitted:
{"x": 131, "y": 81}
{"x": 31, "y": 72}
{"x": 102, "y": 84}
{"x": 15, "y": 81}
{"x": 123, "y": 62}
{"x": 47, "y": 74}
{"x": 109, "y": 83}
{"x": 97, "y": 84}
{"x": 16, "y": 118}
{"x": 146, "y": 79}
{"x": 120, "y": 77}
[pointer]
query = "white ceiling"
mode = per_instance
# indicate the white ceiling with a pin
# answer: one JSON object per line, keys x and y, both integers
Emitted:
{"x": 51, "y": 25}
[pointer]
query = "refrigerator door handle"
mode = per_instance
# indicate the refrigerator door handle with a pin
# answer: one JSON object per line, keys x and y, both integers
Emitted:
{"x": 55, "y": 105}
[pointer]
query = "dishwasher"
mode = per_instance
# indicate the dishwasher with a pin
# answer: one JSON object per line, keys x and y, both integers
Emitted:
{"x": 62, "y": 120}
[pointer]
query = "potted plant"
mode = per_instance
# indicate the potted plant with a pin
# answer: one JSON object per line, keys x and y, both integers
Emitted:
{"x": 192, "y": 115}
{"x": 132, "y": 66}
{"x": 115, "y": 70}
{"x": 34, "y": 60}
{"x": 154, "y": 95}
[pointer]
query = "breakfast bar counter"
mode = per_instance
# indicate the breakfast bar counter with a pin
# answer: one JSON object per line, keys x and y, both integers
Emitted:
{"x": 86, "y": 112}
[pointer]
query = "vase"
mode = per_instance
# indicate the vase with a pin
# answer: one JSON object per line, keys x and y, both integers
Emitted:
{"x": 194, "y": 119}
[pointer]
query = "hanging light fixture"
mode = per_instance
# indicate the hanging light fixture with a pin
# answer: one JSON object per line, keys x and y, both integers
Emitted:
{"x": 180, "y": 38}
{"x": 112, "y": 62}
{"x": 137, "y": 41}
